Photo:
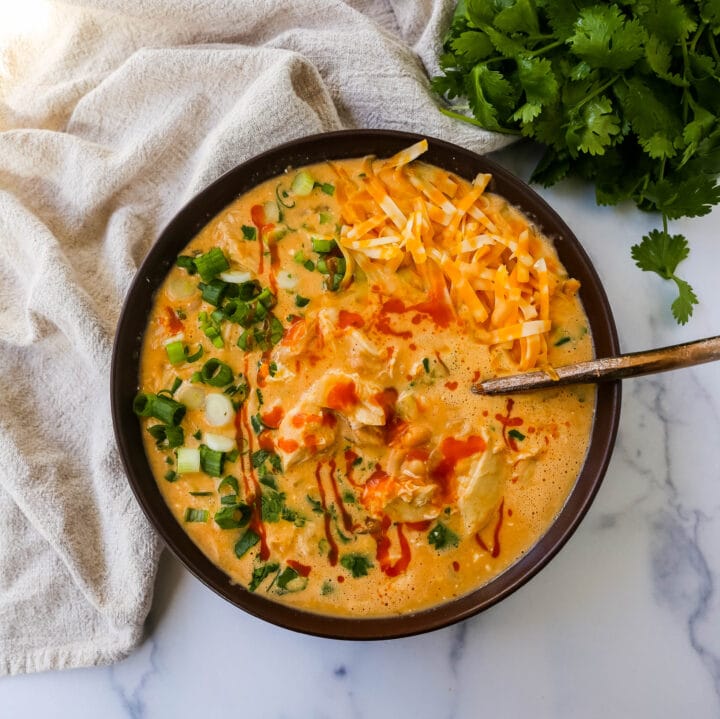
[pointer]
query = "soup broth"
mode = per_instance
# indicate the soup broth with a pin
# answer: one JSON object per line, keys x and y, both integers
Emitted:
{"x": 305, "y": 386}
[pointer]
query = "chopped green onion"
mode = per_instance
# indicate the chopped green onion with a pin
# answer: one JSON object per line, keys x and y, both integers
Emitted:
{"x": 231, "y": 482}
{"x": 301, "y": 301}
{"x": 326, "y": 187}
{"x": 214, "y": 291}
{"x": 142, "y": 404}
{"x": 196, "y": 356}
{"x": 218, "y": 342}
{"x": 196, "y": 515}
{"x": 325, "y": 218}
{"x": 188, "y": 460}
{"x": 216, "y": 373}
{"x": 273, "y": 368}
{"x": 276, "y": 330}
{"x": 257, "y": 423}
{"x": 309, "y": 265}
{"x": 175, "y": 352}
{"x": 211, "y": 461}
{"x": 249, "y": 233}
{"x": 167, "y": 410}
{"x": 249, "y": 290}
{"x": 299, "y": 257}
{"x": 322, "y": 266}
{"x": 267, "y": 299}
{"x": 246, "y": 341}
{"x": 211, "y": 264}
{"x": 282, "y": 196}
{"x": 229, "y": 499}
{"x": 259, "y": 394}
{"x": 232, "y": 455}
{"x": 562, "y": 341}
{"x": 201, "y": 494}
{"x": 303, "y": 184}
{"x": 170, "y": 476}
{"x": 248, "y": 540}
{"x": 175, "y": 385}
{"x": 323, "y": 245}
{"x": 516, "y": 434}
{"x": 426, "y": 364}
{"x": 175, "y": 436}
{"x": 198, "y": 435}
{"x": 186, "y": 263}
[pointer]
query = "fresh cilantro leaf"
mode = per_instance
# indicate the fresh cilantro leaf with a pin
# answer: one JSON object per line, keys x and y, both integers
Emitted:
{"x": 691, "y": 195}
{"x": 603, "y": 38}
{"x": 441, "y": 537}
{"x": 682, "y": 306}
{"x": 661, "y": 253}
{"x": 473, "y": 46}
{"x": 518, "y": 17}
{"x": 593, "y": 127}
{"x": 668, "y": 20}
{"x": 490, "y": 96}
{"x": 273, "y": 504}
{"x": 357, "y": 564}
{"x": 261, "y": 573}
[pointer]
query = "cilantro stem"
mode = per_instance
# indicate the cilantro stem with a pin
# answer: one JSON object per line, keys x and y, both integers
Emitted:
{"x": 472, "y": 120}
{"x": 699, "y": 32}
{"x": 597, "y": 91}
{"x": 713, "y": 48}
{"x": 686, "y": 62}
{"x": 549, "y": 46}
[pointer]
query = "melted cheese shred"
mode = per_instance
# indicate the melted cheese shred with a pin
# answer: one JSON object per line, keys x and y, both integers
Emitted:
{"x": 500, "y": 274}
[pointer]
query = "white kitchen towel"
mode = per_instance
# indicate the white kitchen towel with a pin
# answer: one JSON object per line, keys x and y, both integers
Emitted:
{"x": 113, "y": 113}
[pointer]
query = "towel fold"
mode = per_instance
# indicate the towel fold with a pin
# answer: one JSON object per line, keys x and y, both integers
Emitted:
{"x": 113, "y": 113}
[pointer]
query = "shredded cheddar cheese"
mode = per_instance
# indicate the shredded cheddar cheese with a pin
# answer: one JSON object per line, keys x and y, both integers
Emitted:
{"x": 498, "y": 275}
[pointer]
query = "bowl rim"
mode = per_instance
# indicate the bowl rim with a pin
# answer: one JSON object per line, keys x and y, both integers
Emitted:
{"x": 185, "y": 225}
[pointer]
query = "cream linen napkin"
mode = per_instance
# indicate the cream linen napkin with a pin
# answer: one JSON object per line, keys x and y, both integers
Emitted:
{"x": 113, "y": 113}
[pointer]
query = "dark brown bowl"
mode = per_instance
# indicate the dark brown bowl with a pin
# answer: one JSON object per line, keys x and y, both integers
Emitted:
{"x": 186, "y": 224}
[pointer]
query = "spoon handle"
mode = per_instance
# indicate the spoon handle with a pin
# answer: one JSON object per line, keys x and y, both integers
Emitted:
{"x": 633, "y": 364}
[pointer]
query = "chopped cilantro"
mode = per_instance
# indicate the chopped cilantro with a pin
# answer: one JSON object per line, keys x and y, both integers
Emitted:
{"x": 261, "y": 573}
{"x": 441, "y": 537}
{"x": 357, "y": 564}
{"x": 249, "y": 233}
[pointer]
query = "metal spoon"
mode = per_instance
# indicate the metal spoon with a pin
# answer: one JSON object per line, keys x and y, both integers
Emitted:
{"x": 606, "y": 369}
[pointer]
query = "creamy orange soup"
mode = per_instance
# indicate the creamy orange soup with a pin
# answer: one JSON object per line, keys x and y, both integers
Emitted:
{"x": 305, "y": 386}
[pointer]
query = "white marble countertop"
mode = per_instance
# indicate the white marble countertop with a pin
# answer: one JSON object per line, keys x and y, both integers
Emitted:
{"x": 624, "y": 622}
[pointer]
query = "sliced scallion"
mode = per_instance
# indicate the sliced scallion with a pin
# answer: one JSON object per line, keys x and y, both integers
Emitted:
{"x": 323, "y": 245}
{"x": 175, "y": 352}
{"x": 216, "y": 373}
{"x": 211, "y": 461}
{"x": 196, "y": 515}
{"x": 211, "y": 264}
{"x": 231, "y": 482}
{"x": 188, "y": 460}
{"x": 303, "y": 184}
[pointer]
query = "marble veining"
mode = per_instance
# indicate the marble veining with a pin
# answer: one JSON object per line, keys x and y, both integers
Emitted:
{"x": 624, "y": 622}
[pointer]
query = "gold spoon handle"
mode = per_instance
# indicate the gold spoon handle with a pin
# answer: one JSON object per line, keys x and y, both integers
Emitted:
{"x": 633, "y": 364}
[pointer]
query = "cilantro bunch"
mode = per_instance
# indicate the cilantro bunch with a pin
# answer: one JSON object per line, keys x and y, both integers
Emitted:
{"x": 624, "y": 94}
